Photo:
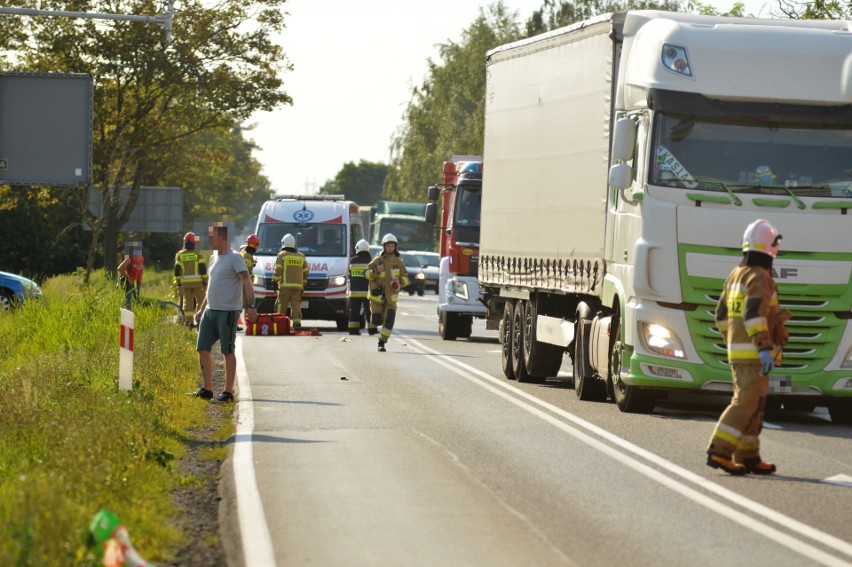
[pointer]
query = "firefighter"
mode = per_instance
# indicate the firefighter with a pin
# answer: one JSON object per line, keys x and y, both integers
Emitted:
{"x": 748, "y": 317}
{"x": 247, "y": 251}
{"x": 190, "y": 277}
{"x": 359, "y": 303}
{"x": 291, "y": 274}
{"x": 387, "y": 275}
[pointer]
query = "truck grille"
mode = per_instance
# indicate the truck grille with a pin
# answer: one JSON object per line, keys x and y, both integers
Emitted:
{"x": 474, "y": 266}
{"x": 314, "y": 284}
{"x": 815, "y": 328}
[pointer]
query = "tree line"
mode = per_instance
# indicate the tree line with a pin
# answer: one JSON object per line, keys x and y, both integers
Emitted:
{"x": 173, "y": 114}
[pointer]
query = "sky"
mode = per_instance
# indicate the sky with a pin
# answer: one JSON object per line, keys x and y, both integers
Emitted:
{"x": 355, "y": 63}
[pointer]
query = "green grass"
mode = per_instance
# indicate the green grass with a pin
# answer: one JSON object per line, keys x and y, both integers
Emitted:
{"x": 71, "y": 443}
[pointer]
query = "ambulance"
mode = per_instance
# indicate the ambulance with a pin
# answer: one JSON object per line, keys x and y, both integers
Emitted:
{"x": 326, "y": 228}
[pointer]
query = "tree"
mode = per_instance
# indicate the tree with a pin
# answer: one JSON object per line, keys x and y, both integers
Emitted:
{"x": 361, "y": 183}
{"x": 150, "y": 99}
{"x": 445, "y": 115}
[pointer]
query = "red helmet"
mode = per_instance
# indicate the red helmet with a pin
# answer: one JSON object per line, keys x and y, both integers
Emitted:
{"x": 190, "y": 237}
{"x": 253, "y": 240}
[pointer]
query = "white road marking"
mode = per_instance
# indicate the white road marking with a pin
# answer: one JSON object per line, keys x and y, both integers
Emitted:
{"x": 840, "y": 479}
{"x": 254, "y": 532}
{"x": 525, "y": 401}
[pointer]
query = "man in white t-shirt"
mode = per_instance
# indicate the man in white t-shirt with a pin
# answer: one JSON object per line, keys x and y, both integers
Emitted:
{"x": 217, "y": 315}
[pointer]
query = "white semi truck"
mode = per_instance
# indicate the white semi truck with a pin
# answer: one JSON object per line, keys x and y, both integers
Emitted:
{"x": 624, "y": 156}
{"x": 326, "y": 228}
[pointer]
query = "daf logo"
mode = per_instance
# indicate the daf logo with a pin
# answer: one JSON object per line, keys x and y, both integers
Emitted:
{"x": 785, "y": 273}
{"x": 303, "y": 216}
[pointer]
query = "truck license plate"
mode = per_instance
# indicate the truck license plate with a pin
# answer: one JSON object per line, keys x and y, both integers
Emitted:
{"x": 304, "y": 305}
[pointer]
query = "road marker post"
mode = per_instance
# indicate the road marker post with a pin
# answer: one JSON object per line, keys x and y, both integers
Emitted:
{"x": 125, "y": 352}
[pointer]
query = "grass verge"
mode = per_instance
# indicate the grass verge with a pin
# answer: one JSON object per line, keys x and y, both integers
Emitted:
{"x": 72, "y": 443}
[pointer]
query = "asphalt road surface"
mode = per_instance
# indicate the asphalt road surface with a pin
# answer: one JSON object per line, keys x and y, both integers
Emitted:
{"x": 427, "y": 455}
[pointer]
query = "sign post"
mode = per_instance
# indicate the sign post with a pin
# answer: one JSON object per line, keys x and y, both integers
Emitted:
{"x": 125, "y": 360}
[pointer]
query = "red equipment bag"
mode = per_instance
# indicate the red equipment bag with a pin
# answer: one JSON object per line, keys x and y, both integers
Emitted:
{"x": 269, "y": 324}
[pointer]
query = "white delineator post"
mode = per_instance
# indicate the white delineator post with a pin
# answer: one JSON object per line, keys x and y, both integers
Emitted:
{"x": 125, "y": 360}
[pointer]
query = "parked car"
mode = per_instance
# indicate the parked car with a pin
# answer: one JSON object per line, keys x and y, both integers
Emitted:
{"x": 15, "y": 289}
{"x": 429, "y": 268}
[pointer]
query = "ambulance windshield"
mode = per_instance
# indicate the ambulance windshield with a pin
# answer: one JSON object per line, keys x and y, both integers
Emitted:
{"x": 312, "y": 239}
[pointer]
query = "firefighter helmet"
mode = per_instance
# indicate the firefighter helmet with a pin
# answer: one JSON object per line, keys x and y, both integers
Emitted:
{"x": 253, "y": 240}
{"x": 288, "y": 241}
{"x": 362, "y": 246}
{"x": 761, "y": 236}
{"x": 389, "y": 238}
{"x": 190, "y": 237}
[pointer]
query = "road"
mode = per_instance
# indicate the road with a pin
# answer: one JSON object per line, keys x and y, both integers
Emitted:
{"x": 427, "y": 455}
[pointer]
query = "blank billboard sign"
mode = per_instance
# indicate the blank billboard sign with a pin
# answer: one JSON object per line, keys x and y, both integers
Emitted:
{"x": 45, "y": 129}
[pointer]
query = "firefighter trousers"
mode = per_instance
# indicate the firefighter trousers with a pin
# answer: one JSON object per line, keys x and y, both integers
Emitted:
{"x": 383, "y": 315}
{"x": 737, "y": 432}
{"x": 191, "y": 297}
{"x": 290, "y": 297}
{"x": 359, "y": 309}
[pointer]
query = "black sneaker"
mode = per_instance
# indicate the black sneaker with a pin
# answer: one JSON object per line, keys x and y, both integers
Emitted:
{"x": 223, "y": 398}
{"x": 382, "y": 347}
{"x": 201, "y": 393}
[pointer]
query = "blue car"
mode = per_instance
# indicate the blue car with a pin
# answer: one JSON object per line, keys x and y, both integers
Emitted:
{"x": 14, "y": 290}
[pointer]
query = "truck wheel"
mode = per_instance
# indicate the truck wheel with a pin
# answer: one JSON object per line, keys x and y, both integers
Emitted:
{"x": 518, "y": 342}
{"x": 342, "y": 324}
{"x": 840, "y": 411}
{"x": 629, "y": 399}
{"x": 420, "y": 292}
{"x": 464, "y": 326}
{"x": 447, "y": 326}
{"x": 587, "y": 385}
{"x": 506, "y": 341}
{"x": 542, "y": 360}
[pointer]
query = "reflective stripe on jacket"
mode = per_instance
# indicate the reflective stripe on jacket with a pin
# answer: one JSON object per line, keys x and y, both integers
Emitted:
{"x": 190, "y": 269}
{"x": 748, "y": 316}
{"x": 291, "y": 269}
{"x": 380, "y": 282}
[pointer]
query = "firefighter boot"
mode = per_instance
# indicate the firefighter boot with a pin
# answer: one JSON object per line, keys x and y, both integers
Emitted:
{"x": 382, "y": 347}
{"x": 755, "y": 465}
{"x": 726, "y": 464}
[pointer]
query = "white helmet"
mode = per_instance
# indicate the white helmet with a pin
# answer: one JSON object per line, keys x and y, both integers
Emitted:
{"x": 362, "y": 246}
{"x": 288, "y": 241}
{"x": 389, "y": 238}
{"x": 761, "y": 236}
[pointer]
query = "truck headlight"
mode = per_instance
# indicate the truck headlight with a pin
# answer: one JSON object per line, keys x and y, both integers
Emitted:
{"x": 338, "y": 281}
{"x": 420, "y": 276}
{"x": 257, "y": 280}
{"x": 661, "y": 340}
{"x": 459, "y": 289}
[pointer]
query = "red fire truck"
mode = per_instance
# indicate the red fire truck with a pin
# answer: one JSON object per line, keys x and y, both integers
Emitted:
{"x": 458, "y": 289}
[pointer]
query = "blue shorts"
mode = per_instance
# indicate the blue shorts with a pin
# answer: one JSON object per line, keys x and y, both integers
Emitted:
{"x": 217, "y": 326}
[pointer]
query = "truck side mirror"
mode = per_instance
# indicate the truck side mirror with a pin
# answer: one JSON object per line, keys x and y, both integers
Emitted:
{"x": 431, "y": 212}
{"x": 620, "y": 176}
{"x": 432, "y": 193}
{"x": 623, "y": 140}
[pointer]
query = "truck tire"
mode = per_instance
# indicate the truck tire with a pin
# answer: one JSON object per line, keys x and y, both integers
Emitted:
{"x": 506, "y": 341}
{"x": 629, "y": 399}
{"x": 542, "y": 360}
{"x": 464, "y": 326}
{"x": 447, "y": 326}
{"x": 518, "y": 342}
{"x": 342, "y": 324}
{"x": 840, "y": 411}
{"x": 587, "y": 385}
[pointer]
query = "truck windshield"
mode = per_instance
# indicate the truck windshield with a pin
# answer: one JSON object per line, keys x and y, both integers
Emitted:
{"x": 412, "y": 234}
{"x": 316, "y": 239}
{"x": 468, "y": 206}
{"x": 752, "y": 157}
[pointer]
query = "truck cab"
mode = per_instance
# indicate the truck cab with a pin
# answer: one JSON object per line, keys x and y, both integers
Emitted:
{"x": 460, "y": 194}
{"x": 326, "y": 228}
